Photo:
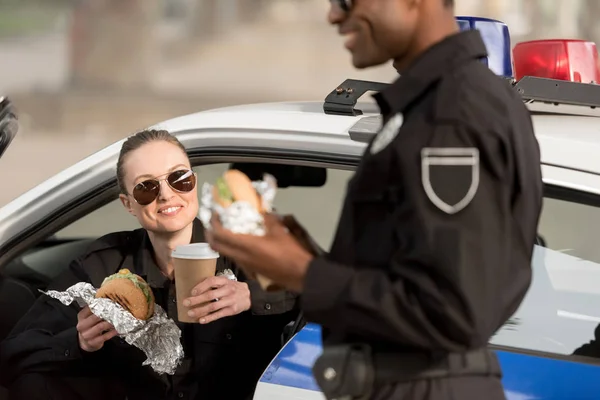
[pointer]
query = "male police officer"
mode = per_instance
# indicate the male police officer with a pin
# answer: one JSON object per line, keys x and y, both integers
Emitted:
{"x": 433, "y": 248}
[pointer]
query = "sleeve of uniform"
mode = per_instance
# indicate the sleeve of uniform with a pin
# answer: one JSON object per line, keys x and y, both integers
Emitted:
{"x": 264, "y": 303}
{"x": 270, "y": 303}
{"x": 440, "y": 289}
{"x": 45, "y": 339}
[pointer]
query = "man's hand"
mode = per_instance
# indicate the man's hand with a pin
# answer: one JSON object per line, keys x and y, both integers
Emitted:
{"x": 277, "y": 255}
{"x": 217, "y": 297}
{"x": 93, "y": 331}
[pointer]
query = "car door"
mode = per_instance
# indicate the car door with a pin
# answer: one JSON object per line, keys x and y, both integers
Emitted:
{"x": 545, "y": 348}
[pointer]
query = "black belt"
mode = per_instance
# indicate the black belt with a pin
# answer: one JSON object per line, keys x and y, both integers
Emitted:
{"x": 351, "y": 371}
{"x": 398, "y": 367}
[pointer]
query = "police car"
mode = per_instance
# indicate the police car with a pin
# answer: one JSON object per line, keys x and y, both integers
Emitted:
{"x": 312, "y": 148}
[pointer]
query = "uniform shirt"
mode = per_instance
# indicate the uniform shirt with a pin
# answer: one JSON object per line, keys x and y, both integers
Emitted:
{"x": 434, "y": 243}
{"x": 223, "y": 359}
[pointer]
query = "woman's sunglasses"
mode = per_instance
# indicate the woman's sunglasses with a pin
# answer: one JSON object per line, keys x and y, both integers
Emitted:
{"x": 345, "y": 5}
{"x": 182, "y": 181}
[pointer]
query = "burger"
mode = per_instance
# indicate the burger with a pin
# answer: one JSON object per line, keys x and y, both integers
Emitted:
{"x": 234, "y": 186}
{"x": 130, "y": 291}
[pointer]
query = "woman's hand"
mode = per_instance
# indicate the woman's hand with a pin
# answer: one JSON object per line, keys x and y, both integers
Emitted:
{"x": 217, "y": 297}
{"x": 93, "y": 331}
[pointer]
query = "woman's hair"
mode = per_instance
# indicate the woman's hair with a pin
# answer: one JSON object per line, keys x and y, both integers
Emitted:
{"x": 138, "y": 140}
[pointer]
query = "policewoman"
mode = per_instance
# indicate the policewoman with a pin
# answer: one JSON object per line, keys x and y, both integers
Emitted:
{"x": 433, "y": 248}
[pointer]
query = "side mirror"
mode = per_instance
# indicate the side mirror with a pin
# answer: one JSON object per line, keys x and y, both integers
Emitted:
{"x": 9, "y": 125}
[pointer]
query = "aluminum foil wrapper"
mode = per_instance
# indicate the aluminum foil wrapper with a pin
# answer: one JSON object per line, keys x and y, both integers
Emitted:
{"x": 158, "y": 337}
{"x": 239, "y": 217}
{"x": 227, "y": 273}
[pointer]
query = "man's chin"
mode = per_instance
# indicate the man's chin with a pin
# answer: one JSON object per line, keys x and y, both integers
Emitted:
{"x": 362, "y": 62}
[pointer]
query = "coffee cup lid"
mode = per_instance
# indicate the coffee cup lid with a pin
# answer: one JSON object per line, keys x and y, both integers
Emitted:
{"x": 195, "y": 251}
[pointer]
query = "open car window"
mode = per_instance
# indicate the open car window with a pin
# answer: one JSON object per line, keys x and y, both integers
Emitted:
{"x": 317, "y": 208}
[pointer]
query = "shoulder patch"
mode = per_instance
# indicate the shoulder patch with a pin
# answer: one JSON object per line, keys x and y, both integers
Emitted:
{"x": 450, "y": 176}
{"x": 388, "y": 132}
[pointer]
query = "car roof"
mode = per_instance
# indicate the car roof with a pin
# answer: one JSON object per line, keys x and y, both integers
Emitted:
{"x": 283, "y": 117}
{"x": 569, "y": 136}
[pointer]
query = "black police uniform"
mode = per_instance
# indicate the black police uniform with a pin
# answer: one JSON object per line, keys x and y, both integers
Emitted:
{"x": 41, "y": 358}
{"x": 432, "y": 252}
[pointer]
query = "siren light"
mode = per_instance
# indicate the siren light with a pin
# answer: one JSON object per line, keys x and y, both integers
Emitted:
{"x": 496, "y": 37}
{"x": 566, "y": 60}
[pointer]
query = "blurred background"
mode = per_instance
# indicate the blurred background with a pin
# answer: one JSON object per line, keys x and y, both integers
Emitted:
{"x": 85, "y": 73}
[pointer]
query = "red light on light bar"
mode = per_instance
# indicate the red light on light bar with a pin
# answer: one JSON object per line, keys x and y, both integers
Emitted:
{"x": 567, "y": 60}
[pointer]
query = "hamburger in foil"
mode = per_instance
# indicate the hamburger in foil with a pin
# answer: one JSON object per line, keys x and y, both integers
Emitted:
{"x": 126, "y": 301}
{"x": 241, "y": 205}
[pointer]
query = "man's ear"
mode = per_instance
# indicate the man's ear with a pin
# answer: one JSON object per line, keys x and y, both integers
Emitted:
{"x": 126, "y": 203}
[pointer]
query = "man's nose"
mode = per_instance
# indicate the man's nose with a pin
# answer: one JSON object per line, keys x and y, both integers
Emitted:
{"x": 336, "y": 15}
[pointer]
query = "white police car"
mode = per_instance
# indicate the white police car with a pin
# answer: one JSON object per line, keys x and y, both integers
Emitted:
{"x": 45, "y": 228}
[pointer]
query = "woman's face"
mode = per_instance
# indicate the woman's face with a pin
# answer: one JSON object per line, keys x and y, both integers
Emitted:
{"x": 172, "y": 210}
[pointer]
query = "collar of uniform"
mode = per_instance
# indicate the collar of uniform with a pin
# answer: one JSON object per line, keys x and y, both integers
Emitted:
{"x": 429, "y": 68}
{"x": 146, "y": 265}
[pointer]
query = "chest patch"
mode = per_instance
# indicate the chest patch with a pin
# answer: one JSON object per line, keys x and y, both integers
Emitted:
{"x": 388, "y": 133}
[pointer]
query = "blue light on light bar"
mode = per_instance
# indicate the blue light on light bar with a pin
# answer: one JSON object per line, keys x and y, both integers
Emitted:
{"x": 496, "y": 37}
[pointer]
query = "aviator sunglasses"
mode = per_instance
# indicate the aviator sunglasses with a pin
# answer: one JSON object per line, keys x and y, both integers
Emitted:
{"x": 345, "y": 5}
{"x": 182, "y": 181}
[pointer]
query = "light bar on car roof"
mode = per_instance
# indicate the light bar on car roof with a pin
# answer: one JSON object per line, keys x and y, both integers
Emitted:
{"x": 496, "y": 37}
{"x": 565, "y": 60}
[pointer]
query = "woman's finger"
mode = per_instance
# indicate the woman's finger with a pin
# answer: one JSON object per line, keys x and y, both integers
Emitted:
{"x": 224, "y": 312}
{"x": 212, "y": 307}
{"x": 209, "y": 296}
{"x": 96, "y": 331}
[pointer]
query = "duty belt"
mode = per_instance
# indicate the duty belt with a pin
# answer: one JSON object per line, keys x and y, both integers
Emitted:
{"x": 351, "y": 371}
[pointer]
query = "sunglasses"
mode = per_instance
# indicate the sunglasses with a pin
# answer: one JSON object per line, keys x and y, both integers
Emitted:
{"x": 182, "y": 181}
{"x": 345, "y": 5}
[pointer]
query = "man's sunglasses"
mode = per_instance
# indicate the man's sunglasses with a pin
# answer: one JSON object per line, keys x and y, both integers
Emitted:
{"x": 345, "y": 5}
{"x": 182, "y": 181}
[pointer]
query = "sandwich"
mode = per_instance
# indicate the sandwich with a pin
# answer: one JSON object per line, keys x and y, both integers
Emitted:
{"x": 234, "y": 186}
{"x": 130, "y": 291}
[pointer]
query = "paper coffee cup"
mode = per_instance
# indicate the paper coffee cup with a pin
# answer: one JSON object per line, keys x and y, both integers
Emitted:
{"x": 192, "y": 263}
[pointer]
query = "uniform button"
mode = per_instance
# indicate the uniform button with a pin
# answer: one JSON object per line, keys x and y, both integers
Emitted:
{"x": 180, "y": 395}
{"x": 267, "y": 306}
{"x": 67, "y": 353}
{"x": 228, "y": 336}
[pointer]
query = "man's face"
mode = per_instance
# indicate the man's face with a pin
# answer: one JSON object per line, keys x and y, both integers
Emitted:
{"x": 376, "y": 31}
